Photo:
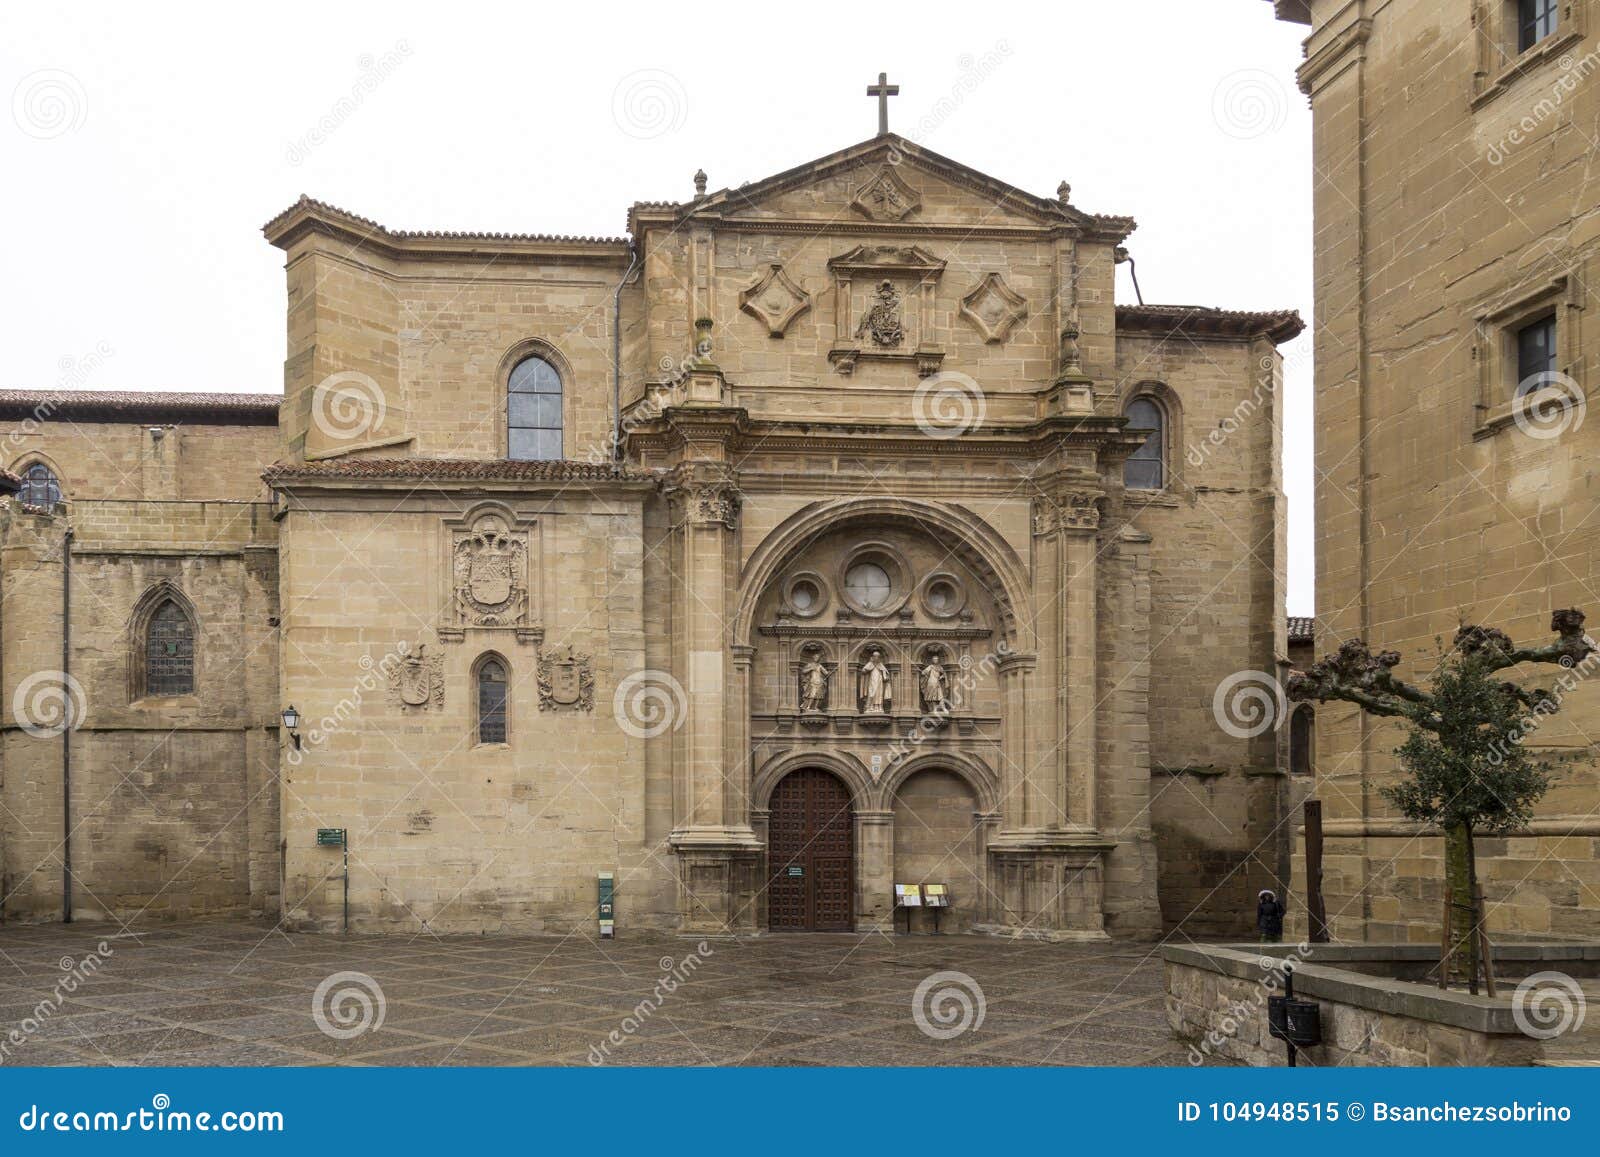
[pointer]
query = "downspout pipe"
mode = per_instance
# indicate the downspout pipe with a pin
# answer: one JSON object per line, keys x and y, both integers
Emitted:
{"x": 616, "y": 357}
{"x": 67, "y": 723}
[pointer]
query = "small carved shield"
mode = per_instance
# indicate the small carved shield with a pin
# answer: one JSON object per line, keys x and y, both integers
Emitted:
{"x": 566, "y": 688}
{"x": 414, "y": 683}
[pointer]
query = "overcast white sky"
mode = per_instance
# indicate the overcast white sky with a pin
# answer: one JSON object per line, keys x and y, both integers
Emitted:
{"x": 147, "y": 144}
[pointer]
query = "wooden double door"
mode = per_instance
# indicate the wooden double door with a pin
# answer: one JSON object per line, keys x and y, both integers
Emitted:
{"x": 810, "y": 855}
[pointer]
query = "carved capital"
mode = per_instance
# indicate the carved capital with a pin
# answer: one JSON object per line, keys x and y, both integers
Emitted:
{"x": 1072, "y": 510}
{"x": 705, "y": 494}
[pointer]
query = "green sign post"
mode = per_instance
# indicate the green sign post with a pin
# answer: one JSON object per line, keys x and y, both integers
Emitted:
{"x": 339, "y": 838}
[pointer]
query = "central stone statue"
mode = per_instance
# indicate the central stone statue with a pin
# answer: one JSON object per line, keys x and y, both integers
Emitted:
{"x": 872, "y": 685}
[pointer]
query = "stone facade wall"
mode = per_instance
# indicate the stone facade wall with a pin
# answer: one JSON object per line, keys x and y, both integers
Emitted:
{"x": 449, "y": 833}
{"x": 173, "y": 802}
{"x": 1454, "y": 202}
{"x": 766, "y": 432}
{"x": 1216, "y": 616}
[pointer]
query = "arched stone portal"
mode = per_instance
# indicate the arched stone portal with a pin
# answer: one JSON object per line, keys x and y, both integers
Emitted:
{"x": 810, "y": 854}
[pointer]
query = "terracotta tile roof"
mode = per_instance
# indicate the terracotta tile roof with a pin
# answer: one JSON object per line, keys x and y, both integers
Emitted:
{"x": 1280, "y": 325}
{"x": 9, "y": 483}
{"x": 141, "y": 406}
{"x": 1302, "y": 628}
{"x": 452, "y": 470}
{"x": 377, "y": 232}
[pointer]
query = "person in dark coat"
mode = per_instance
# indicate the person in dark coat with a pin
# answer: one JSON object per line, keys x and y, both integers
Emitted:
{"x": 1269, "y": 917}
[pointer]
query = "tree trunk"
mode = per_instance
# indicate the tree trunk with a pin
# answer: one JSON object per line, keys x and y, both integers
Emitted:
{"x": 1461, "y": 881}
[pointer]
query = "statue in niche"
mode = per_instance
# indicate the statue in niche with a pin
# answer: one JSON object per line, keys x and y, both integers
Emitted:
{"x": 934, "y": 682}
{"x": 874, "y": 693}
{"x": 882, "y": 320}
{"x": 814, "y": 678}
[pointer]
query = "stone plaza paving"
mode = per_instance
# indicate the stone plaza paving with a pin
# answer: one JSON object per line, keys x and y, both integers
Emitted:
{"x": 244, "y": 993}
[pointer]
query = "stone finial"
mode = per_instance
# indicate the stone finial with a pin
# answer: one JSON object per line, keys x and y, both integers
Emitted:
{"x": 700, "y": 183}
{"x": 1064, "y": 192}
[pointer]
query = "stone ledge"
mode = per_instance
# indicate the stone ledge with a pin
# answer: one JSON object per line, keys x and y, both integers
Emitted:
{"x": 1395, "y": 997}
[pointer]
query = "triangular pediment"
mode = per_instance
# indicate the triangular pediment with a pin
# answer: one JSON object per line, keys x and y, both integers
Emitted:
{"x": 892, "y": 181}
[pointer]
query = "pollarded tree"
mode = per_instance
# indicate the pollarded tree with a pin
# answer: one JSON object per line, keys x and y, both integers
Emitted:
{"x": 1467, "y": 770}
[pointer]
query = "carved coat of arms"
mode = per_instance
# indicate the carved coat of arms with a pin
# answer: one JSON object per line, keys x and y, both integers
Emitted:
{"x": 882, "y": 321}
{"x": 417, "y": 681}
{"x": 489, "y": 575}
{"x": 566, "y": 680}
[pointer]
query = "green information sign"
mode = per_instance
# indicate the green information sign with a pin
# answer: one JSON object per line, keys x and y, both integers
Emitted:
{"x": 607, "y": 882}
{"x": 330, "y": 837}
{"x": 796, "y": 870}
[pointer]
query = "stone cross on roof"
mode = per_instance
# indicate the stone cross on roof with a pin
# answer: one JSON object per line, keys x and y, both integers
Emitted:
{"x": 883, "y": 90}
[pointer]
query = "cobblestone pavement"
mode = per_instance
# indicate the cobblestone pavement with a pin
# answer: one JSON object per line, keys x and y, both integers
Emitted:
{"x": 246, "y": 994}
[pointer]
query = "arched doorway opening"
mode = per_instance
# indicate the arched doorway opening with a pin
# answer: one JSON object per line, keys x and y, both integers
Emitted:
{"x": 810, "y": 854}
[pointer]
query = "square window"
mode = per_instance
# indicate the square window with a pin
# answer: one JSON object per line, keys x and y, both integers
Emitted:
{"x": 1536, "y": 353}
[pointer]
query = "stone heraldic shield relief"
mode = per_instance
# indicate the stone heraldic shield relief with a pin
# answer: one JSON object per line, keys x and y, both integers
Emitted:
{"x": 489, "y": 564}
{"x": 416, "y": 682}
{"x": 566, "y": 680}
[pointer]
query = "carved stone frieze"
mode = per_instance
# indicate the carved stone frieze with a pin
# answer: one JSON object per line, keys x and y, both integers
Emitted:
{"x": 566, "y": 680}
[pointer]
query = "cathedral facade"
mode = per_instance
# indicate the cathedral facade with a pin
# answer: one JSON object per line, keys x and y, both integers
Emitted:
{"x": 833, "y": 533}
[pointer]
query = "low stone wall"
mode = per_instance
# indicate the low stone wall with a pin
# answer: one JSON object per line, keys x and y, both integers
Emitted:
{"x": 1217, "y": 1002}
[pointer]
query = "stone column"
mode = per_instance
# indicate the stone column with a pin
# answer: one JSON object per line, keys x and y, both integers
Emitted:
{"x": 719, "y": 854}
{"x": 874, "y": 840}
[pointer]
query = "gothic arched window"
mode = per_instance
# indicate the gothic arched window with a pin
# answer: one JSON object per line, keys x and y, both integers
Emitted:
{"x": 533, "y": 411}
{"x": 1146, "y": 467}
{"x": 39, "y": 487}
{"x": 169, "y": 651}
{"x": 491, "y": 700}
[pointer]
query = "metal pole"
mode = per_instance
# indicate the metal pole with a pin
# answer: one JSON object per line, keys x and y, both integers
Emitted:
{"x": 344, "y": 842}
